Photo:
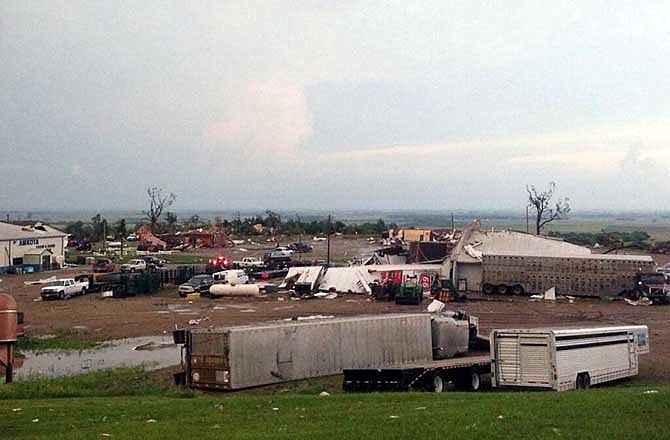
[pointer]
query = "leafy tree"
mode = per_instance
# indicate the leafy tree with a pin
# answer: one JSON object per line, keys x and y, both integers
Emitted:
{"x": 120, "y": 229}
{"x": 99, "y": 226}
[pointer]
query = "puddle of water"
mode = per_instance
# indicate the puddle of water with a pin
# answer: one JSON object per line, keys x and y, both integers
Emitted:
{"x": 116, "y": 353}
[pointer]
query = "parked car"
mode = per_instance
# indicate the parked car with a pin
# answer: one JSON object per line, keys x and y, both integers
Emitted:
{"x": 86, "y": 246}
{"x": 276, "y": 259}
{"x": 285, "y": 249}
{"x": 197, "y": 283}
{"x": 132, "y": 237}
{"x": 233, "y": 276}
{"x": 135, "y": 265}
{"x": 300, "y": 247}
{"x": 63, "y": 289}
{"x": 153, "y": 262}
{"x": 103, "y": 265}
{"x": 249, "y": 263}
{"x": 221, "y": 262}
{"x": 148, "y": 247}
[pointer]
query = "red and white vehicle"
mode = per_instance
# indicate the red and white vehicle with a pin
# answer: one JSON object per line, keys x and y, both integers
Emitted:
{"x": 221, "y": 262}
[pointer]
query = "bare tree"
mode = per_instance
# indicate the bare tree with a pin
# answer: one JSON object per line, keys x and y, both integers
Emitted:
{"x": 157, "y": 203}
{"x": 541, "y": 201}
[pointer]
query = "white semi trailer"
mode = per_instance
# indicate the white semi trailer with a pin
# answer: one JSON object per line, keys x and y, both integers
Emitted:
{"x": 564, "y": 359}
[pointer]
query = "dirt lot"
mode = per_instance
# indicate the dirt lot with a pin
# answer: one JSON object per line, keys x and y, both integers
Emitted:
{"x": 100, "y": 319}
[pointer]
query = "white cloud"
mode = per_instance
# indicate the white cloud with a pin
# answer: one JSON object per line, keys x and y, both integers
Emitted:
{"x": 267, "y": 120}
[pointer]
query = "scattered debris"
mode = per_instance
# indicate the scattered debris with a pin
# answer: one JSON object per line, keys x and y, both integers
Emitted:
{"x": 309, "y": 318}
{"x": 197, "y": 321}
{"x": 42, "y": 281}
{"x": 151, "y": 421}
{"x": 36, "y": 420}
{"x": 153, "y": 345}
{"x": 436, "y": 306}
{"x": 275, "y": 409}
{"x": 394, "y": 417}
{"x": 644, "y": 301}
{"x": 16, "y": 409}
{"x": 420, "y": 408}
{"x": 500, "y": 417}
{"x": 651, "y": 392}
{"x": 325, "y": 295}
{"x": 324, "y": 394}
{"x": 248, "y": 311}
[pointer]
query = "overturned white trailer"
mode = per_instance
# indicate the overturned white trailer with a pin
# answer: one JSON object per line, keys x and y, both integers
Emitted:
{"x": 565, "y": 358}
{"x": 246, "y": 356}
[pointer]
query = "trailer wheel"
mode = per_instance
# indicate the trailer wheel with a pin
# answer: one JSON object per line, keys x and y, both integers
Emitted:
{"x": 502, "y": 289}
{"x": 475, "y": 381}
{"x": 517, "y": 289}
{"x": 488, "y": 289}
{"x": 583, "y": 381}
{"x": 438, "y": 385}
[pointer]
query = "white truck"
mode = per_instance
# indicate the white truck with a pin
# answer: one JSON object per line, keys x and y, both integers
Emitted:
{"x": 249, "y": 263}
{"x": 565, "y": 358}
{"x": 63, "y": 289}
{"x": 133, "y": 266}
{"x": 232, "y": 276}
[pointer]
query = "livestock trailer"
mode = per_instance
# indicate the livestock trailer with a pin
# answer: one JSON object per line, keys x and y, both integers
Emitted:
{"x": 565, "y": 358}
{"x": 597, "y": 275}
{"x": 246, "y": 356}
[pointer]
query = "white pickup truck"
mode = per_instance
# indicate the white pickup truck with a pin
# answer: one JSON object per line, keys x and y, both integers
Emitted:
{"x": 63, "y": 289}
{"x": 133, "y": 266}
{"x": 248, "y": 263}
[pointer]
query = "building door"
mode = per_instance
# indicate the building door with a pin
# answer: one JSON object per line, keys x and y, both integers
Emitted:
{"x": 46, "y": 261}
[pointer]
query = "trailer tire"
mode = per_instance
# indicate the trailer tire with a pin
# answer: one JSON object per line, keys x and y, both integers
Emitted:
{"x": 438, "y": 384}
{"x": 502, "y": 289}
{"x": 488, "y": 289}
{"x": 518, "y": 290}
{"x": 475, "y": 380}
{"x": 583, "y": 381}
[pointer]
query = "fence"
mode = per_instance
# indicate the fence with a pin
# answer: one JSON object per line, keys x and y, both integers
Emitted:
{"x": 181, "y": 274}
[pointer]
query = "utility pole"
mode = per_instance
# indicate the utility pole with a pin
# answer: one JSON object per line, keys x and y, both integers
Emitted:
{"x": 452, "y": 223}
{"x": 527, "y": 221}
{"x": 328, "y": 243}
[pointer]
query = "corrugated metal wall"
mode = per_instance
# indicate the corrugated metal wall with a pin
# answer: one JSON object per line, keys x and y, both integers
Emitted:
{"x": 288, "y": 351}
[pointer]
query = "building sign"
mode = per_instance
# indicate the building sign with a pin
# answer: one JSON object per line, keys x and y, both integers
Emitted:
{"x": 29, "y": 242}
{"x": 425, "y": 282}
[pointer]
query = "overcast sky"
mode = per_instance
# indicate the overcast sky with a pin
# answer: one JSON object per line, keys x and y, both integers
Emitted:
{"x": 322, "y": 104}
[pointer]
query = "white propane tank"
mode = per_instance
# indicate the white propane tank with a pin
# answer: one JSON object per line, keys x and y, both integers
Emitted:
{"x": 234, "y": 290}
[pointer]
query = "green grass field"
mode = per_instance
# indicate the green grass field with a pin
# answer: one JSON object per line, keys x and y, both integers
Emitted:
{"x": 62, "y": 340}
{"x": 131, "y": 406}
